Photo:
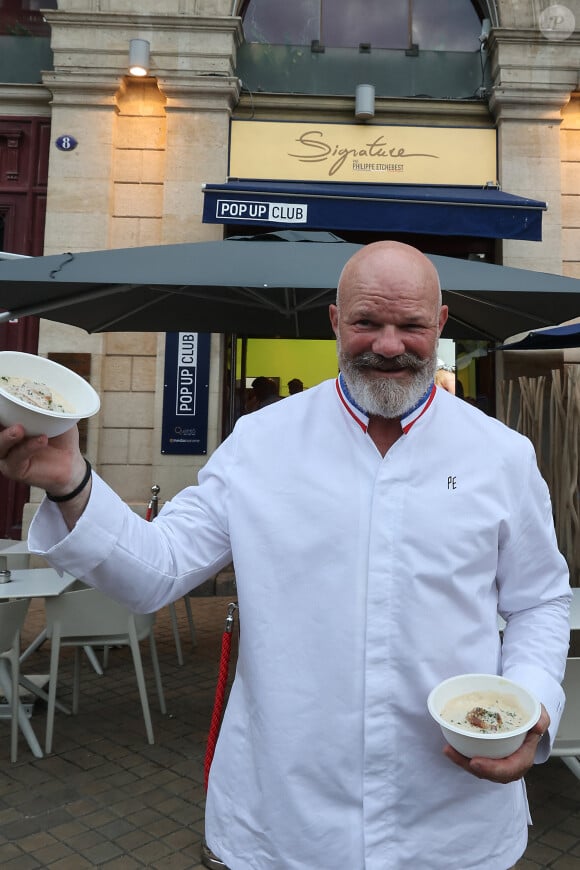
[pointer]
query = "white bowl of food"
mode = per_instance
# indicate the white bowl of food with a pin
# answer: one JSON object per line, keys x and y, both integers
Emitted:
{"x": 45, "y": 397}
{"x": 483, "y": 714}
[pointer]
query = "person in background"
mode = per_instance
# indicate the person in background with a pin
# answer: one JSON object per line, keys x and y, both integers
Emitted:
{"x": 445, "y": 376}
{"x": 263, "y": 392}
{"x": 295, "y": 386}
{"x": 378, "y": 526}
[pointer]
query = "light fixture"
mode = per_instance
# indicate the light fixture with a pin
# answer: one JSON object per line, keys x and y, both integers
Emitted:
{"x": 138, "y": 57}
{"x": 364, "y": 107}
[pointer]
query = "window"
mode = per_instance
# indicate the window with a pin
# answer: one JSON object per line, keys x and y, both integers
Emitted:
{"x": 437, "y": 25}
{"x": 24, "y": 18}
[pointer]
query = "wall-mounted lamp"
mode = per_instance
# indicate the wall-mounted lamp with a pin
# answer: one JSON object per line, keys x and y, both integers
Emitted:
{"x": 138, "y": 57}
{"x": 364, "y": 107}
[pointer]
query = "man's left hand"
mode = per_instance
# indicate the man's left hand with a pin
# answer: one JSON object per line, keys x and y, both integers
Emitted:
{"x": 508, "y": 769}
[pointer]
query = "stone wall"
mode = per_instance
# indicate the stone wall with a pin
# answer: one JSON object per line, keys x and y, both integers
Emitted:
{"x": 570, "y": 174}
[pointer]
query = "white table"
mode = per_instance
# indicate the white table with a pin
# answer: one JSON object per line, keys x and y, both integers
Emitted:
{"x": 18, "y": 547}
{"x": 14, "y": 546}
{"x": 14, "y": 555}
{"x": 36, "y": 583}
{"x": 8, "y": 542}
{"x": 32, "y": 583}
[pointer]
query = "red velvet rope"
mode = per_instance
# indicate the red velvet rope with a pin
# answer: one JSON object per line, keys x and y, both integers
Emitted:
{"x": 218, "y": 705}
{"x": 220, "y": 692}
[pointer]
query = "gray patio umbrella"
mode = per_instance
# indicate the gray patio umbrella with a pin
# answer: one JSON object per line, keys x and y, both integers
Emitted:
{"x": 270, "y": 285}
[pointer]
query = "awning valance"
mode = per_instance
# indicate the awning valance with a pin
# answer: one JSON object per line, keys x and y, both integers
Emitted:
{"x": 465, "y": 211}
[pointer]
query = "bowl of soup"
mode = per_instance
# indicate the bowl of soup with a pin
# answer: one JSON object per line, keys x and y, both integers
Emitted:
{"x": 45, "y": 397}
{"x": 483, "y": 714}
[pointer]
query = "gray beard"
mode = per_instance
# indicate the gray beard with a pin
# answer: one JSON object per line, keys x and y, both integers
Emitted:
{"x": 386, "y": 397}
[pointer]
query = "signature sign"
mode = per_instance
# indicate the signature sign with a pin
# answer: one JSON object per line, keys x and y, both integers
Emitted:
{"x": 317, "y": 150}
{"x": 375, "y": 153}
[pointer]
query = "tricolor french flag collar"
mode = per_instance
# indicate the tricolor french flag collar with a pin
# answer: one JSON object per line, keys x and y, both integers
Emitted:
{"x": 362, "y": 418}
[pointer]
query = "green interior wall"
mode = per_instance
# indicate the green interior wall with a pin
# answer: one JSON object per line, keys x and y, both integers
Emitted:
{"x": 312, "y": 361}
{"x": 309, "y": 360}
{"x": 468, "y": 378}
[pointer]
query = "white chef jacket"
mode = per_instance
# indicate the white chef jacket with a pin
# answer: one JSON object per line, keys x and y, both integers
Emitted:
{"x": 362, "y": 582}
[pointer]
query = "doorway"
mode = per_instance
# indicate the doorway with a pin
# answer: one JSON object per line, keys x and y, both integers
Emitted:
{"x": 24, "y": 148}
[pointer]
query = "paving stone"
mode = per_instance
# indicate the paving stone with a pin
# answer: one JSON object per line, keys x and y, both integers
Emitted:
{"x": 178, "y": 861}
{"x": 37, "y": 841}
{"x": 72, "y": 828}
{"x": 73, "y": 862}
{"x": 22, "y": 862}
{"x": 7, "y": 852}
{"x": 101, "y": 852}
{"x": 134, "y": 840}
{"x": 123, "y": 863}
{"x": 50, "y": 854}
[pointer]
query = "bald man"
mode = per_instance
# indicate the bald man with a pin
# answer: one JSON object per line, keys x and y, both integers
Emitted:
{"x": 378, "y": 526}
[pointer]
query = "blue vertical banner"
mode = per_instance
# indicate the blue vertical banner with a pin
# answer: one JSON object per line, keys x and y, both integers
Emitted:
{"x": 185, "y": 393}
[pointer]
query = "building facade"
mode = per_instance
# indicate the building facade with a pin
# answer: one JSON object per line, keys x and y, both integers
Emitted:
{"x": 144, "y": 148}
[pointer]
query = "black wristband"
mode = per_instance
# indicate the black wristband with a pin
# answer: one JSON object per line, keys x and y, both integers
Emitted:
{"x": 77, "y": 490}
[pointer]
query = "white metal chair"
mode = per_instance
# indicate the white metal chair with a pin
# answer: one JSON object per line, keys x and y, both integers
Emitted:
{"x": 86, "y": 616}
{"x": 567, "y": 742}
{"x": 150, "y": 514}
{"x": 175, "y": 626}
{"x": 12, "y": 616}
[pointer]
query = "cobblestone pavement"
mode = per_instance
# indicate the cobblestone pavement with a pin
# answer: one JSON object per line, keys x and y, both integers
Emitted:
{"x": 106, "y": 798}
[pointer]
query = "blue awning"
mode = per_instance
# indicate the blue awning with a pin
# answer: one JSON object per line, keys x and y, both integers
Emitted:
{"x": 549, "y": 338}
{"x": 443, "y": 211}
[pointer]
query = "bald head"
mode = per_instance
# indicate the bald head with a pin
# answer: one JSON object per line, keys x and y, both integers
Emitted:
{"x": 392, "y": 262}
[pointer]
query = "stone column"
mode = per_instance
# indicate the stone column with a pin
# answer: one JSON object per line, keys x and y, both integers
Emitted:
{"x": 533, "y": 79}
{"x": 198, "y": 117}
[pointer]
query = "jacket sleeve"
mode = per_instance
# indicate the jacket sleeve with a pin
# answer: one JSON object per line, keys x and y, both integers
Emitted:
{"x": 534, "y": 598}
{"x": 144, "y": 565}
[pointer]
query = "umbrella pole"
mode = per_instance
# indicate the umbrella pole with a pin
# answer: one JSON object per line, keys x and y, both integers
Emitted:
{"x": 232, "y": 390}
{"x": 236, "y": 400}
{"x": 243, "y": 366}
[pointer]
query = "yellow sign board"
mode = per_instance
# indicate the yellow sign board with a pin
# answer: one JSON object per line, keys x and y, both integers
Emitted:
{"x": 363, "y": 153}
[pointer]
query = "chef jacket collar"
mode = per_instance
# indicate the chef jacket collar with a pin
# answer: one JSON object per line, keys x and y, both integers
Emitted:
{"x": 362, "y": 418}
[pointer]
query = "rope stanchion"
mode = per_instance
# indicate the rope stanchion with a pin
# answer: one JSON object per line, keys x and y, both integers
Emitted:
{"x": 218, "y": 706}
{"x": 153, "y": 506}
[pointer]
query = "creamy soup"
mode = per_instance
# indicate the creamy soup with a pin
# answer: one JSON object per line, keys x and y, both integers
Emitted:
{"x": 35, "y": 393}
{"x": 484, "y": 712}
